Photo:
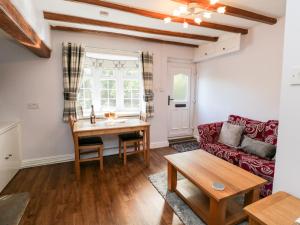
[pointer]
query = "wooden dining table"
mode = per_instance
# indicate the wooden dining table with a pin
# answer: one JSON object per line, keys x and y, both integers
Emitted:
{"x": 83, "y": 128}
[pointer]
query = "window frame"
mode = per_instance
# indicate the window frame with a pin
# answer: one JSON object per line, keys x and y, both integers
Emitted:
{"x": 120, "y": 75}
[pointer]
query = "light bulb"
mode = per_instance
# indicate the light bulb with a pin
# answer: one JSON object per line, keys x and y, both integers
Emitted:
{"x": 221, "y": 9}
{"x": 212, "y": 2}
{"x": 207, "y": 15}
{"x": 182, "y": 9}
{"x": 176, "y": 12}
{"x": 167, "y": 19}
{"x": 198, "y": 20}
{"x": 185, "y": 25}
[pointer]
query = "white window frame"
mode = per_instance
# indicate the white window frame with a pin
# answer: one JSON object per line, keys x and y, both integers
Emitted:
{"x": 96, "y": 91}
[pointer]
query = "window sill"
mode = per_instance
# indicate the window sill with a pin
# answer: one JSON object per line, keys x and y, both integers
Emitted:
{"x": 119, "y": 115}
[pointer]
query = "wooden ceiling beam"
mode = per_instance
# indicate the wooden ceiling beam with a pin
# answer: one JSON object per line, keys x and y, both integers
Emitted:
{"x": 161, "y": 16}
{"x": 80, "y": 30}
{"x": 81, "y": 20}
{"x": 232, "y": 11}
{"x": 13, "y": 23}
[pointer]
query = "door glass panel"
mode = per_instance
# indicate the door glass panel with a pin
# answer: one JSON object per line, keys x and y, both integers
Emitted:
{"x": 180, "y": 87}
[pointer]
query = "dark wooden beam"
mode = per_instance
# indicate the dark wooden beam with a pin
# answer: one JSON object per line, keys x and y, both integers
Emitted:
{"x": 14, "y": 24}
{"x": 80, "y": 30}
{"x": 161, "y": 16}
{"x": 233, "y": 11}
{"x": 81, "y": 20}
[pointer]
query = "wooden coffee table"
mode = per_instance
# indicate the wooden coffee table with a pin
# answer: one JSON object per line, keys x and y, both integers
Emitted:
{"x": 201, "y": 169}
{"x": 280, "y": 208}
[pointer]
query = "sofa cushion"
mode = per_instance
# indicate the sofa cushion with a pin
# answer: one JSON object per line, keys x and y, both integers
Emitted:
{"x": 253, "y": 128}
{"x": 225, "y": 152}
{"x": 258, "y": 166}
{"x": 231, "y": 134}
{"x": 259, "y": 148}
{"x": 271, "y": 132}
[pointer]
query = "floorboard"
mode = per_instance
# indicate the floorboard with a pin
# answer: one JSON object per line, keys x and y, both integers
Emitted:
{"x": 119, "y": 196}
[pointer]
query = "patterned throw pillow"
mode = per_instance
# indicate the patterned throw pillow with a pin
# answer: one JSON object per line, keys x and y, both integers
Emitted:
{"x": 253, "y": 128}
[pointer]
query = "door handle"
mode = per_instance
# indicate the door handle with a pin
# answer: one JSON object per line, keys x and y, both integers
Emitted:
{"x": 170, "y": 99}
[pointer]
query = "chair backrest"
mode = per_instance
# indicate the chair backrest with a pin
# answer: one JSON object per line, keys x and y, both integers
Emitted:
{"x": 71, "y": 122}
{"x": 143, "y": 116}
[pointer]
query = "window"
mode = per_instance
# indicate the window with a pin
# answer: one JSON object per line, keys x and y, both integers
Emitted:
{"x": 180, "y": 87}
{"x": 111, "y": 83}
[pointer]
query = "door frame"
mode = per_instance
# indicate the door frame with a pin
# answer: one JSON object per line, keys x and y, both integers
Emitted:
{"x": 187, "y": 64}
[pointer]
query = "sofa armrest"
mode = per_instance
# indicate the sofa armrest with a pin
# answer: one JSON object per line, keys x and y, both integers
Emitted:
{"x": 209, "y": 133}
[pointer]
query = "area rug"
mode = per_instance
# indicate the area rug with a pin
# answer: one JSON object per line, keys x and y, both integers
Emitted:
{"x": 185, "y": 146}
{"x": 12, "y": 208}
{"x": 182, "y": 210}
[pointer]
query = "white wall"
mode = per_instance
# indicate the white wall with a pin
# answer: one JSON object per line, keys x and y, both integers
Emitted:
{"x": 246, "y": 83}
{"x": 288, "y": 154}
{"x": 25, "y": 78}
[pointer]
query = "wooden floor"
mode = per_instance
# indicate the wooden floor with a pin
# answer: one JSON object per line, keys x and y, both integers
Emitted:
{"x": 119, "y": 196}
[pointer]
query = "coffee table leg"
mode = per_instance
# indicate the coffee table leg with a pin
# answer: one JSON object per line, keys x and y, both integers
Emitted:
{"x": 252, "y": 196}
{"x": 217, "y": 212}
{"x": 253, "y": 222}
{"x": 172, "y": 177}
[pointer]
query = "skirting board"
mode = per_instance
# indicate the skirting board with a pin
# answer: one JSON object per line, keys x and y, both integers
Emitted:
{"x": 70, "y": 157}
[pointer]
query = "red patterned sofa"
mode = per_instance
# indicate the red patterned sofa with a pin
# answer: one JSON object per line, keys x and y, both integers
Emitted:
{"x": 263, "y": 131}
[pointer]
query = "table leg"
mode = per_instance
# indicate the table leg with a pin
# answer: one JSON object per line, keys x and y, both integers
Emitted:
{"x": 148, "y": 146}
{"x": 144, "y": 146}
{"x": 77, "y": 163}
{"x": 125, "y": 153}
{"x": 172, "y": 177}
{"x": 101, "y": 158}
{"x": 253, "y": 222}
{"x": 120, "y": 148}
{"x": 217, "y": 212}
{"x": 252, "y": 196}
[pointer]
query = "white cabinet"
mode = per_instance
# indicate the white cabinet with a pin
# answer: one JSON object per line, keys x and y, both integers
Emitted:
{"x": 10, "y": 160}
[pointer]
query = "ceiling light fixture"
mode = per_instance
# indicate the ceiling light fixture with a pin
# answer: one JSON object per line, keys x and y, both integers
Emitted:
{"x": 213, "y": 2}
{"x": 182, "y": 9}
{"x": 221, "y": 9}
{"x": 198, "y": 20}
{"x": 176, "y": 12}
{"x": 195, "y": 12}
{"x": 207, "y": 15}
{"x": 167, "y": 19}
{"x": 185, "y": 25}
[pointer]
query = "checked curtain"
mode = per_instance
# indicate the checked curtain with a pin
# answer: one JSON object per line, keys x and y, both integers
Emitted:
{"x": 147, "y": 62}
{"x": 72, "y": 57}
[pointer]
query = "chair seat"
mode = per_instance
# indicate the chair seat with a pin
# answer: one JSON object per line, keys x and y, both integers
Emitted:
{"x": 130, "y": 136}
{"x": 86, "y": 141}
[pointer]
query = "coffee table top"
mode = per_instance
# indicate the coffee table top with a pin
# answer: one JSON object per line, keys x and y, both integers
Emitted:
{"x": 279, "y": 208}
{"x": 203, "y": 169}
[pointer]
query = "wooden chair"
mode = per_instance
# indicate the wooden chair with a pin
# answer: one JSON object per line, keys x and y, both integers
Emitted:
{"x": 87, "y": 145}
{"x": 136, "y": 139}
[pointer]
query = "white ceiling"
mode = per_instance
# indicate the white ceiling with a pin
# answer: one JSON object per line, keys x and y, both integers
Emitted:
{"x": 273, "y": 8}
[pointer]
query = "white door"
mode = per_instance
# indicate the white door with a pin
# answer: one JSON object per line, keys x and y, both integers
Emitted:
{"x": 180, "y": 99}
